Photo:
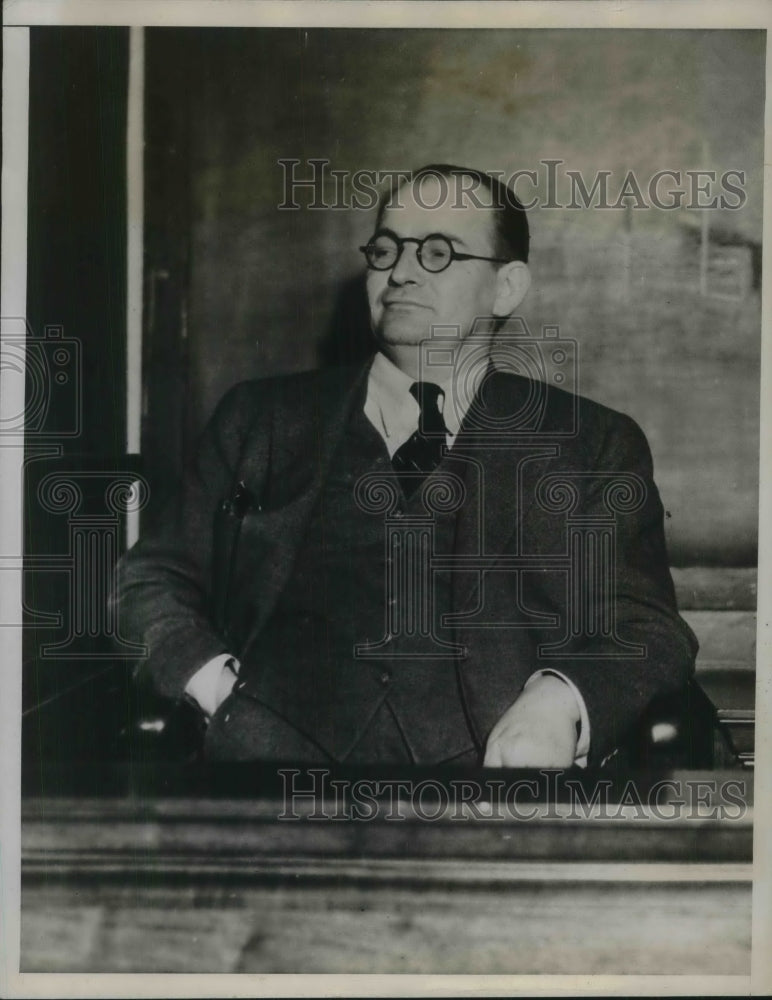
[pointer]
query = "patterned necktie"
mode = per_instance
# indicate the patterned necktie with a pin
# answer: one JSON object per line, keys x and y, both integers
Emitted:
{"x": 423, "y": 450}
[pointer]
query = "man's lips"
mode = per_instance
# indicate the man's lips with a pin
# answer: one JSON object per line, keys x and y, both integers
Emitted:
{"x": 406, "y": 303}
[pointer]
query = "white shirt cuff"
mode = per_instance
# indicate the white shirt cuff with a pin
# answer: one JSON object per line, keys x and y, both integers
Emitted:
{"x": 583, "y": 740}
{"x": 205, "y": 687}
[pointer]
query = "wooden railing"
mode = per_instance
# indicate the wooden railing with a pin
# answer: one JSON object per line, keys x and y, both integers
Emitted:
{"x": 720, "y": 606}
{"x": 193, "y": 880}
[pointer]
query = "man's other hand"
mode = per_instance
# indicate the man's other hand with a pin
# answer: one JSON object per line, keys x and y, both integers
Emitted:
{"x": 538, "y": 730}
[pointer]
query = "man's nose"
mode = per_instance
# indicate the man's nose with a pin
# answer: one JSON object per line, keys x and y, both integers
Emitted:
{"x": 407, "y": 269}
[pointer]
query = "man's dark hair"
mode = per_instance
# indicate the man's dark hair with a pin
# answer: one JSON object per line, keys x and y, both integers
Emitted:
{"x": 511, "y": 224}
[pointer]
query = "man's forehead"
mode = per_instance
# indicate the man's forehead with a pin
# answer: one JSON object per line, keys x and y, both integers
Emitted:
{"x": 436, "y": 205}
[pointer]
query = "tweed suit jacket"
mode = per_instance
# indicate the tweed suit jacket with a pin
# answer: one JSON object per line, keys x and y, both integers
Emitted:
{"x": 190, "y": 590}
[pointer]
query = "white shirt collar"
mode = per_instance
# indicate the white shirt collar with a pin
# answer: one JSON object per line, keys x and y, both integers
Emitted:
{"x": 393, "y": 411}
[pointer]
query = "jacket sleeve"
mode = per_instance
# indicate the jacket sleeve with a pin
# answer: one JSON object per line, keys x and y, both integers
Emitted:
{"x": 162, "y": 594}
{"x": 652, "y": 649}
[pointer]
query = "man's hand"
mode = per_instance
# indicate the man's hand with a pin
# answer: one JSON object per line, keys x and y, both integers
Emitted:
{"x": 538, "y": 730}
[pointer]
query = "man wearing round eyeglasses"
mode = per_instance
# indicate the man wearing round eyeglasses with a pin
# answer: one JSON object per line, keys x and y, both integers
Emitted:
{"x": 438, "y": 260}
{"x": 339, "y": 612}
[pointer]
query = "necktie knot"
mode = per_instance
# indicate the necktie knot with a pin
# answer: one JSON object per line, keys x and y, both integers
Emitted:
{"x": 427, "y": 395}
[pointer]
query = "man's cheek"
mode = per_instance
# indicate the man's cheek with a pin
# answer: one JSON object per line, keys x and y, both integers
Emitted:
{"x": 376, "y": 316}
{"x": 374, "y": 293}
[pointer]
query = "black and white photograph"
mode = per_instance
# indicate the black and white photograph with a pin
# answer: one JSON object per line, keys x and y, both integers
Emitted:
{"x": 383, "y": 488}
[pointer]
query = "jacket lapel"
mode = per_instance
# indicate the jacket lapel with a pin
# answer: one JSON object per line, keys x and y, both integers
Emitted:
{"x": 306, "y": 429}
{"x": 498, "y": 470}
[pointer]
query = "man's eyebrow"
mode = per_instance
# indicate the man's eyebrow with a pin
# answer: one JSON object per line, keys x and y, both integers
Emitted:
{"x": 385, "y": 231}
{"x": 455, "y": 239}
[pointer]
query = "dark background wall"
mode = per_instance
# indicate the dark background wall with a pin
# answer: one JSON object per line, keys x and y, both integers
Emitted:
{"x": 75, "y": 698}
{"x": 76, "y": 274}
{"x": 248, "y": 289}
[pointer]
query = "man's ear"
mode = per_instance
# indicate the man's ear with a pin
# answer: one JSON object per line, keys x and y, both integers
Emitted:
{"x": 512, "y": 282}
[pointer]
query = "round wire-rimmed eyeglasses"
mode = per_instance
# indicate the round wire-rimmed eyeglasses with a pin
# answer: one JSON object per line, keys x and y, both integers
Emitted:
{"x": 435, "y": 252}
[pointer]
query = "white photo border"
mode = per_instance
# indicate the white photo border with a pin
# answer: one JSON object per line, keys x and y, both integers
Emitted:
{"x": 668, "y": 14}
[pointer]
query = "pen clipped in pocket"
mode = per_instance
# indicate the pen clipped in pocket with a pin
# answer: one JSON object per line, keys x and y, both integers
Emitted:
{"x": 228, "y": 520}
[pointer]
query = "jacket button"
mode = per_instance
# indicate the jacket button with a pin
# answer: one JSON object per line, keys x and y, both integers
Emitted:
{"x": 385, "y": 678}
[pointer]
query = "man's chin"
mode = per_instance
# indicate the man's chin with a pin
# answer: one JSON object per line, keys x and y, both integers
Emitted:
{"x": 396, "y": 334}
